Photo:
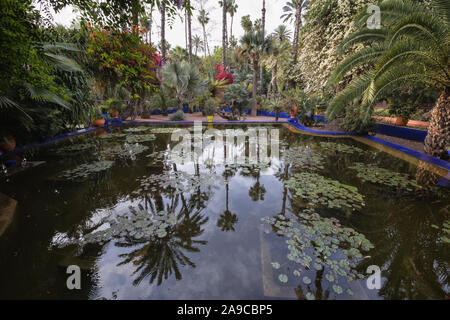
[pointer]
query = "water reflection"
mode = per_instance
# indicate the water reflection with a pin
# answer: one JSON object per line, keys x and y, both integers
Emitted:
{"x": 158, "y": 258}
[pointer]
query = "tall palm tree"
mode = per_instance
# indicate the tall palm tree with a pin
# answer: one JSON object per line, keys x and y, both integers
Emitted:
{"x": 203, "y": 19}
{"x": 412, "y": 46}
{"x": 273, "y": 60}
{"x": 232, "y": 9}
{"x": 254, "y": 45}
{"x": 246, "y": 23}
{"x": 224, "y": 4}
{"x": 282, "y": 33}
{"x": 189, "y": 30}
{"x": 162, "y": 10}
{"x": 293, "y": 12}
{"x": 197, "y": 43}
{"x": 263, "y": 24}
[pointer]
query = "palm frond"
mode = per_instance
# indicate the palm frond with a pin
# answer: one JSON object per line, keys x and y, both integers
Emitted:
{"x": 6, "y": 103}
{"x": 44, "y": 95}
{"x": 353, "y": 91}
{"x": 368, "y": 55}
{"x": 361, "y": 36}
{"x": 63, "y": 63}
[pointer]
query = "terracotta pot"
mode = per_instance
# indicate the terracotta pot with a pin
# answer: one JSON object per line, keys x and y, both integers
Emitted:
{"x": 6, "y": 147}
{"x": 400, "y": 121}
{"x": 99, "y": 122}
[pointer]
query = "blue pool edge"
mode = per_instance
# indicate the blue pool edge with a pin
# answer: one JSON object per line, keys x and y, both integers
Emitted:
{"x": 416, "y": 154}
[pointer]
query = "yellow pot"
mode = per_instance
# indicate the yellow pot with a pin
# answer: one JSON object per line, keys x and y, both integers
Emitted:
{"x": 210, "y": 118}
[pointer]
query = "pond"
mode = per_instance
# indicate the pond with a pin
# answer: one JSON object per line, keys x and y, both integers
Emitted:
{"x": 304, "y": 220}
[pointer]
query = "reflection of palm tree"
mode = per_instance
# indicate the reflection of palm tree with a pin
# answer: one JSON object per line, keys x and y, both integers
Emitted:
{"x": 160, "y": 257}
{"x": 257, "y": 192}
{"x": 411, "y": 255}
{"x": 227, "y": 219}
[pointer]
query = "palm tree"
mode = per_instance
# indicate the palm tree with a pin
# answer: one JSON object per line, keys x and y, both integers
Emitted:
{"x": 162, "y": 10}
{"x": 246, "y": 23}
{"x": 254, "y": 45}
{"x": 273, "y": 60}
{"x": 184, "y": 79}
{"x": 413, "y": 46}
{"x": 293, "y": 12}
{"x": 203, "y": 19}
{"x": 179, "y": 54}
{"x": 263, "y": 24}
{"x": 232, "y": 9}
{"x": 197, "y": 43}
{"x": 189, "y": 31}
{"x": 224, "y": 4}
{"x": 282, "y": 33}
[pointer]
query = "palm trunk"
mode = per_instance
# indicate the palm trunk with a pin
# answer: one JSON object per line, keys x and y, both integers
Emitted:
{"x": 205, "y": 45}
{"x": 298, "y": 24}
{"x": 438, "y": 137}
{"x": 189, "y": 22}
{"x": 163, "y": 33}
{"x": 231, "y": 27}
{"x": 149, "y": 31}
{"x": 273, "y": 83}
{"x": 224, "y": 32}
{"x": 261, "y": 71}
{"x": 255, "y": 88}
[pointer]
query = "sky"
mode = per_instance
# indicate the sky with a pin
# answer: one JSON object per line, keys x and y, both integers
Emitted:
{"x": 176, "y": 35}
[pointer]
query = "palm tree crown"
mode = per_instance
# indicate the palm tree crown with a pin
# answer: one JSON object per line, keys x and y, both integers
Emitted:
{"x": 413, "y": 46}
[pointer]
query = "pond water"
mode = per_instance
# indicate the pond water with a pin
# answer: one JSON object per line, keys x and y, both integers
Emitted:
{"x": 303, "y": 222}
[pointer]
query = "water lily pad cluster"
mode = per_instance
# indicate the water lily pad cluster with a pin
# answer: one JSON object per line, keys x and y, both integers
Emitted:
{"x": 323, "y": 192}
{"x": 140, "y": 225}
{"x": 75, "y": 148}
{"x": 177, "y": 182}
{"x": 85, "y": 170}
{"x": 113, "y": 136}
{"x": 126, "y": 150}
{"x": 304, "y": 158}
{"x": 320, "y": 244}
{"x": 368, "y": 173}
{"x": 163, "y": 130}
{"x": 446, "y": 231}
{"x": 341, "y": 148}
{"x": 137, "y": 129}
{"x": 140, "y": 138}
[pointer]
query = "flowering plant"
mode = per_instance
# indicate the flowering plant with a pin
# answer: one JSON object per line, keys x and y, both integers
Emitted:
{"x": 222, "y": 74}
{"x": 123, "y": 58}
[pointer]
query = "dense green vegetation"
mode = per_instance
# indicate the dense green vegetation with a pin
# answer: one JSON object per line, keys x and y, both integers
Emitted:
{"x": 324, "y": 57}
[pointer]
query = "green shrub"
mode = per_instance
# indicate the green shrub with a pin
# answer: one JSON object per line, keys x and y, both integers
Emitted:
{"x": 210, "y": 107}
{"x": 353, "y": 122}
{"x": 177, "y": 116}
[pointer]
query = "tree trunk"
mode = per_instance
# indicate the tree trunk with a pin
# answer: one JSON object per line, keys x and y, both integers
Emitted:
{"x": 135, "y": 13}
{"x": 205, "y": 45}
{"x": 149, "y": 31}
{"x": 438, "y": 137}
{"x": 231, "y": 28}
{"x": 224, "y": 32}
{"x": 255, "y": 88}
{"x": 261, "y": 71}
{"x": 189, "y": 22}
{"x": 163, "y": 33}
{"x": 298, "y": 24}
{"x": 273, "y": 89}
